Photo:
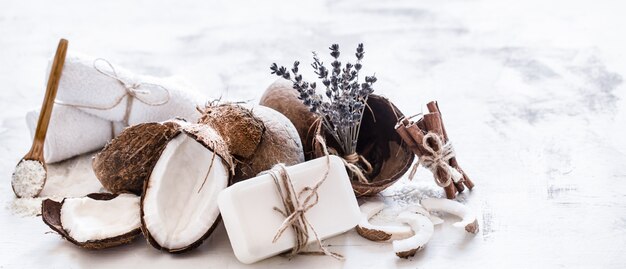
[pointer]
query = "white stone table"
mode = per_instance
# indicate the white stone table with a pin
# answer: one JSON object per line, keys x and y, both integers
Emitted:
{"x": 532, "y": 92}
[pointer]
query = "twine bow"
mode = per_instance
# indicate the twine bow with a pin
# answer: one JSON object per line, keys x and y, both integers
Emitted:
{"x": 439, "y": 159}
{"x": 296, "y": 204}
{"x": 132, "y": 90}
{"x": 350, "y": 161}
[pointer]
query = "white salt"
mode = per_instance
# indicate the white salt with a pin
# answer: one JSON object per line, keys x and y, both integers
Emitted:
{"x": 71, "y": 178}
{"x": 28, "y": 178}
{"x": 26, "y": 207}
{"x": 402, "y": 195}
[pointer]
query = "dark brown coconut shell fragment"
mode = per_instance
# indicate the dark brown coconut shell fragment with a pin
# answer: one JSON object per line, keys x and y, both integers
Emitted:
{"x": 378, "y": 141}
{"x": 373, "y": 235}
{"x": 51, "y": 215}
{"x": 126, "y": 162}
{"x": 211, "y": 140}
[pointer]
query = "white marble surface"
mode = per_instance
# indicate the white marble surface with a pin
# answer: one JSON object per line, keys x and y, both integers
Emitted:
{"x": 532, "y": 92}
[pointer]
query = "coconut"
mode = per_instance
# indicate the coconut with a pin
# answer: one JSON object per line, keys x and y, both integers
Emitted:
{"x": 257, "y": 136}
{"x": 97, "y": 221}
{"x": 126, "y": 162}
{"x": 378, "y": 141}
{"x": 179, "y": 204}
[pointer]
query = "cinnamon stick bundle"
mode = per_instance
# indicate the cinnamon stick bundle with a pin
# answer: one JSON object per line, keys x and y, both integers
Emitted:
{"x": 431, "y": 124}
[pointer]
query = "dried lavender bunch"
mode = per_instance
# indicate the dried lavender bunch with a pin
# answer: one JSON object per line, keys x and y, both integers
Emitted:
{"x": 342, "y": 105}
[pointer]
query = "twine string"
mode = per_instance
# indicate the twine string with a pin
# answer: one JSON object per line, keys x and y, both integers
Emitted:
{"x": 438, "y": 159}
{"x": 296, "y": 204}
{"x": 132, "y": 91}
{"x": 350, "y": 161}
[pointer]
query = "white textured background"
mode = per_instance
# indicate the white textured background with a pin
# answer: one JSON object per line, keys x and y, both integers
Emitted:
{"x": 532, "y": 94}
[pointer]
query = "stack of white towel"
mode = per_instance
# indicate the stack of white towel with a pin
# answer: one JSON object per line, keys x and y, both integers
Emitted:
{"x": 93, "y": 105}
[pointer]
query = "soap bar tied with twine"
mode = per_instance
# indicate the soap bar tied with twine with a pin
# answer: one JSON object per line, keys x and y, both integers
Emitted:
{"x": 295, "y": 205}
{"x": 133, "y": 90}
{"x": 427, "y": 138}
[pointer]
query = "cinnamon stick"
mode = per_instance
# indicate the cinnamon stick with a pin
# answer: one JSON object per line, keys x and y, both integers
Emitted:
{"x": 433, "y": 106}
{"x": 401, "y": 130}
{"x": 433, "y": 123}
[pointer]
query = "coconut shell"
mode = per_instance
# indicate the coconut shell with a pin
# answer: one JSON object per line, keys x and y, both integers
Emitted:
{"x": 266, "y": 138}
{"x": 373, "y": 235}
{"x": 378, "y": 141}
{"x": 210, "y": 139}
{"x": 240, "y": 129}
{"x": 51, "y": 215}
{"x": 127, "y": 161}
{"x": 282, "y": 97}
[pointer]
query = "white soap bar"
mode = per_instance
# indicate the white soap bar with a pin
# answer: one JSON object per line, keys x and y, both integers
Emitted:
{"x": 251, "y": 222}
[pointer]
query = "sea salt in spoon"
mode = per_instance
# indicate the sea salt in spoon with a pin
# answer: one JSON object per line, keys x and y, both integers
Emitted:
{"x": 30, "y": 173}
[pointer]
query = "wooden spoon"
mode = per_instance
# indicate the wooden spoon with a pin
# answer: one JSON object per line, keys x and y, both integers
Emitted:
{"x": 25, "y": 185}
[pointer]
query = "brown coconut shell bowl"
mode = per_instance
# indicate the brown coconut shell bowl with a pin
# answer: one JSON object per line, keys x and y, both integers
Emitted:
{"x": 378, "y": 141}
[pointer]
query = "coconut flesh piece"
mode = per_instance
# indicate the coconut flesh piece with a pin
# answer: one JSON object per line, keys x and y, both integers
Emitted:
{"x": 423, "y": 228}
{"x": 422, "y": 211}
{"x": 468, "y": 218}
{"x": 97, "y": 221}
{"x": 388, "y": 232}
{"x": 87, "y": 219}
{"x": 179, "y": 206}
{"x": 379, "y": 232}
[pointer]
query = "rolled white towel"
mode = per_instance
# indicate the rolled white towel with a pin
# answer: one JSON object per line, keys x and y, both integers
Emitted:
{"x": 97, "y": 87}
{"x": 72, "y": 132}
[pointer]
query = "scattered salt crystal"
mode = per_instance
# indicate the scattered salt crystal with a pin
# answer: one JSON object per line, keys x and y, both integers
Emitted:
{"x": 402, "y": 195}
{"x": 25, "y": 207}
{"x": 28, "y": 178}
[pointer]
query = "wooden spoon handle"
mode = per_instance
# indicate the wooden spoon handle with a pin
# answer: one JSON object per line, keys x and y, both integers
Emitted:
{"x": 36, "y": 150}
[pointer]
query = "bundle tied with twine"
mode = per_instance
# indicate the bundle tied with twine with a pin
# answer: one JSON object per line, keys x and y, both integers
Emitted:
{"x": 438, "y": 157}
{"x": 296, "y": 204}
{"x": 133, "y": 90}
{"x": 350, "y": 161}
{"x": 428, "y": 139}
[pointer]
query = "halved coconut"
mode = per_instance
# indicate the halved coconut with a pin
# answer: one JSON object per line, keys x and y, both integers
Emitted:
{"x": 378, "y": 141}
{"x": 97, "y": 221}
{"x": 179, "y": 206}
{"x": 126, "y": 162}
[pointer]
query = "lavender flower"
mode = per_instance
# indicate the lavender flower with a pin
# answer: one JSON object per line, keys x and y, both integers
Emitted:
{"x": 343, "y": 99}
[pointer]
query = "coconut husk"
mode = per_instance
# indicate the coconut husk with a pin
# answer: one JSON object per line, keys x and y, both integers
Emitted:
{"x": 258, "y": 137}
{"x": 378, "y": 141}
{"x": 240, "y": 129}
{"x": 51, "y": 215}
{"x": 127, "y": 161}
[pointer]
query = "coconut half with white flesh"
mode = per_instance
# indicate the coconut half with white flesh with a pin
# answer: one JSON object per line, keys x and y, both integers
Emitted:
{"x": 179, "y": 204}
{"x": 97, "y": 221}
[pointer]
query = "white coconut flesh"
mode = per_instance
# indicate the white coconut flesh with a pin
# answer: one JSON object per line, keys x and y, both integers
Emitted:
{"x": 423, "y": 228}
{"x": 468, "y": 218}
{"x": 371, "y": 208}
{"x": 86, "y": 219}
{"x": 180, "y": 200}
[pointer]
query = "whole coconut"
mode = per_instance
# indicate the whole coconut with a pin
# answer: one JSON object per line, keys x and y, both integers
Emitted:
{"x": 378, "y": 141}
{"x": 258, "y": 137}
